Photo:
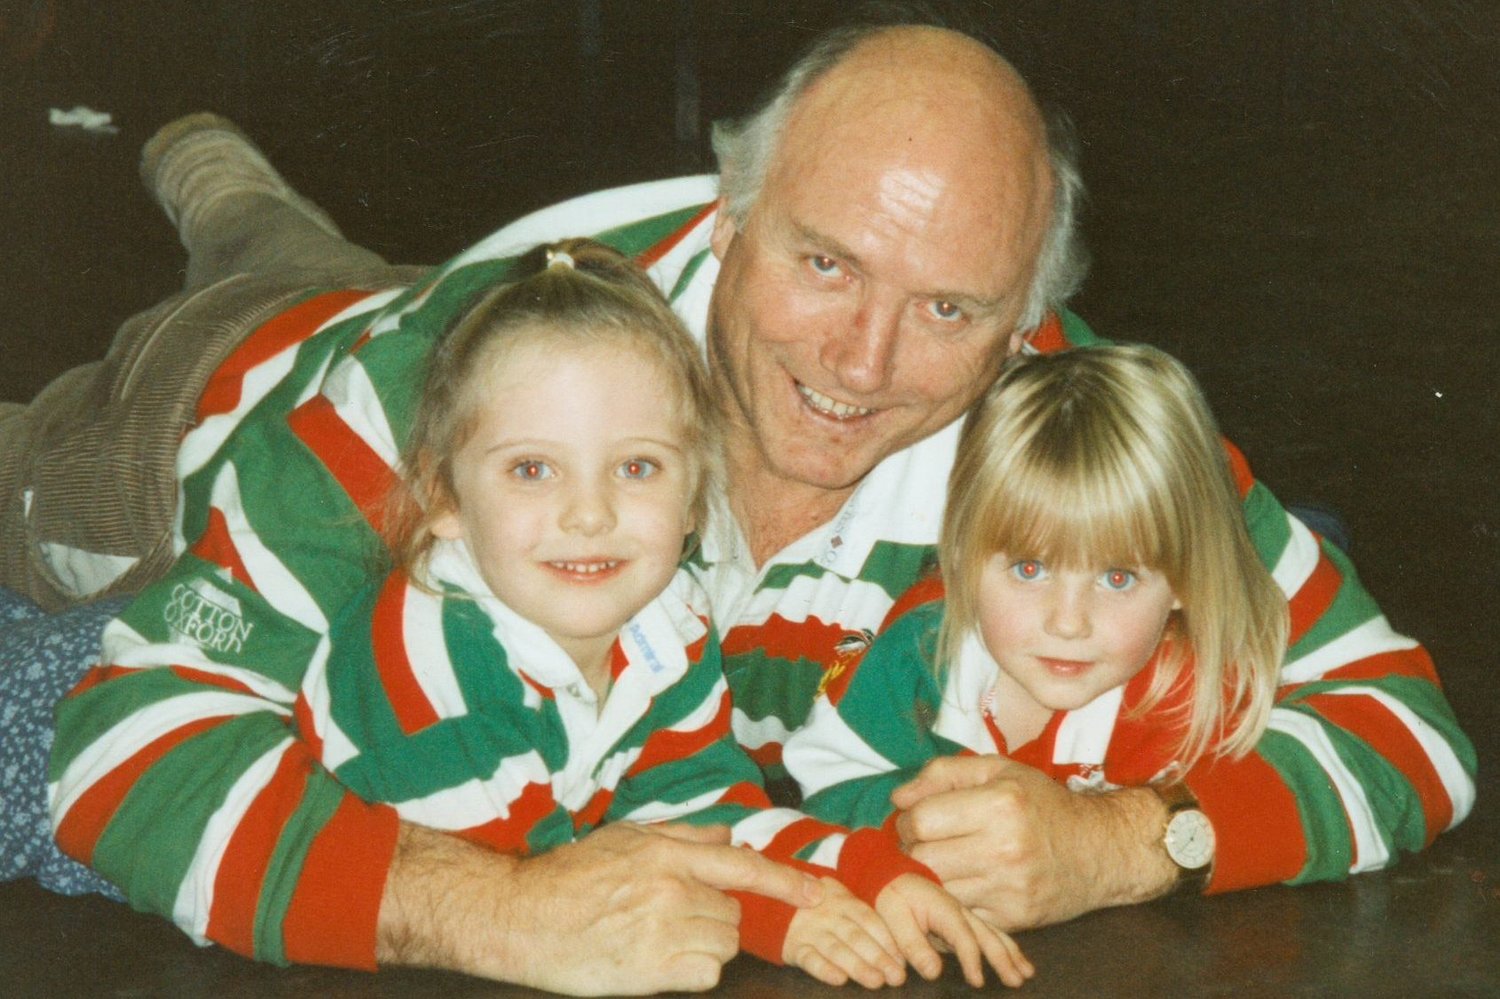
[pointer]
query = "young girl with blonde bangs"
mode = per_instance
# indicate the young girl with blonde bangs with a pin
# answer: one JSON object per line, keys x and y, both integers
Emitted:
{"x": 535, "y": 665}
{"x": 1101, "y": 614}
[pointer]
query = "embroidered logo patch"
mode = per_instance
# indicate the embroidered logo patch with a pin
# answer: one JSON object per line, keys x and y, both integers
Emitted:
{"x": 846, "y": 652}
{"x": 206, "y": 617}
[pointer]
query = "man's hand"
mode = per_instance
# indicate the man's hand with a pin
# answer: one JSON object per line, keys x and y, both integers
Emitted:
{"x": 1021, "y": 850}
{"x": 627, "y": 909}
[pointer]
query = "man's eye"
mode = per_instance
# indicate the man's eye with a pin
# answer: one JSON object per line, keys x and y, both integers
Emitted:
{"x": 639, "y": 468}
{"x": 1118, "y": 580}
{"x": 531, "y": 470}
{"x": 824, "y": 265}
{"x": 945, "y": 311}
{"x": 1028, "y": 570}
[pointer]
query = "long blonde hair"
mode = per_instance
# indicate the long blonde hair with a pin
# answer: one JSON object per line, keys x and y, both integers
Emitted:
{"x": 573, "y": 292}
{"x": 1105, "y": 456}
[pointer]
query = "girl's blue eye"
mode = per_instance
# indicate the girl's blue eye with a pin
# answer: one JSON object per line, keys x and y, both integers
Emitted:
{"x": 532, "y": 471}
{"x": 1028, "y": 570}
{"x": 1118, "y": 580}
{"x": 639, "y": 468}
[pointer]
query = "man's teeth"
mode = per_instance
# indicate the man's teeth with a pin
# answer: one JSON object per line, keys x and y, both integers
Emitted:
{"x": 831, "y": 407}
{"x": 585, "y": 568}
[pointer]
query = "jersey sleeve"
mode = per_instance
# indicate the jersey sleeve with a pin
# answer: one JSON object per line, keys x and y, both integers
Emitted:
{"x": 692, "y": 770}
{"x": 177, "y": 772}
{"x": 1363, "y": 758}
{"x": 871, "y": 730}
{"x": 422, "y": 709}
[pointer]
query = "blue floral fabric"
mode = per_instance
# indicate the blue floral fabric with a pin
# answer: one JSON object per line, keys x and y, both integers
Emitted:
{"x": 41, "y": 657}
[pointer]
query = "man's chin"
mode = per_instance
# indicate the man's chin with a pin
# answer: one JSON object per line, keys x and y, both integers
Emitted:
{"x": 827, "y": 471}
{"x": 817, "y": 456}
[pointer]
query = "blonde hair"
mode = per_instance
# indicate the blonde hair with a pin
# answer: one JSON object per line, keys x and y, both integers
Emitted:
{"x": 574, "y": 292}
{"x": 1109, "y": 456}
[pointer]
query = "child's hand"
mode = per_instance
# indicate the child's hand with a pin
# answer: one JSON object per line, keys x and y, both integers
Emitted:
{"x": 842, "y": 938}
{"x": 914, "y": 908}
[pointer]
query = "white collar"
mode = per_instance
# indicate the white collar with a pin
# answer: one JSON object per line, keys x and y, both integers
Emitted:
{"x": 656, "y": 639}
{"x": 1083, "y": 735}
{"x": 901, "y": 500}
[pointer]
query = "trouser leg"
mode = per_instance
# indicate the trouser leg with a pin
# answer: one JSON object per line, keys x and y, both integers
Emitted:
{"x": 258, "y": 234}
{"x": 87, "y": 470}
{"x": 234, "y": 211}
{"x": 87, "y": 483}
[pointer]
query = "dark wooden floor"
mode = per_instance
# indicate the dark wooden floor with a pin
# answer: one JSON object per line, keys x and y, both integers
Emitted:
{"x": 1301, "y": 201}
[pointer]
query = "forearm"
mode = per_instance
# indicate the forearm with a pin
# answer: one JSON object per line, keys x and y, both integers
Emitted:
{"x": 1349, "y": 776}
{"x": 218, "y": 820}
{"x": 432, "y": 916}
{"x": 1129, "y": 864}
{"x": 1363, "y": 758}
{"x": 865, "y": 737}
{"x": 860, "y": 801}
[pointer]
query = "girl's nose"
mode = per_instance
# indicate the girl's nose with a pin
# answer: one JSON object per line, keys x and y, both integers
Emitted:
{"x": 588, "y": 510}
{"x": 1068, "y": 612}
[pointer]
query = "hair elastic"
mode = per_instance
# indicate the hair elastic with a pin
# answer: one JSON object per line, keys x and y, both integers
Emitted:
{"x": 560, "y": 258}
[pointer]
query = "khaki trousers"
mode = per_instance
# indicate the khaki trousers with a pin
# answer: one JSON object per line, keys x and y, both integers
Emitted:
{"x": 88, "y": 490}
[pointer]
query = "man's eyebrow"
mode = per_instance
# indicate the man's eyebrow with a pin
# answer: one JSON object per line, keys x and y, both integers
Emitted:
{"x": 963, "y": 299}
{"x": 826, "y": 242}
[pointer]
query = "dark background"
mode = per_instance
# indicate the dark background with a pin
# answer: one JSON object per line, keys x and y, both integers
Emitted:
{"x": 1301, "y": 200}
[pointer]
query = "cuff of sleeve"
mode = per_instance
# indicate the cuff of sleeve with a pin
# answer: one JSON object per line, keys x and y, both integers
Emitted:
{"x": 335, "y": 907}
{"x": 872, "y": 859}
{"x": 1258, "y": 832}
{"x": 763, "y": 925}
{"x": 764, "y": 921}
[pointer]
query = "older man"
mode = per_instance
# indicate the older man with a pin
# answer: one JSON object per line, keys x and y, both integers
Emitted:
{"x": 892, "y": 225}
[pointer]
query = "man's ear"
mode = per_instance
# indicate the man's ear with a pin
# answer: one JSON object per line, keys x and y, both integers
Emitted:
{"x": 724, "y": 230}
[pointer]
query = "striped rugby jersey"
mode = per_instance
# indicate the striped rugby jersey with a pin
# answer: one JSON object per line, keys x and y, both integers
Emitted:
{"x": 177, "y": 770}
{"x": 468, "y": 718}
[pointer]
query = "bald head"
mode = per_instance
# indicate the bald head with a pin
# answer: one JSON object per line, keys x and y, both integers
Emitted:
{"x": 936, "y": 130}
{"x": 942, "y": 119}
{"x": 964, "y": 86}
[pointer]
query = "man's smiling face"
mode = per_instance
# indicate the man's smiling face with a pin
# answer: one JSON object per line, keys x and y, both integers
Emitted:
{"x": 875, "y": 286}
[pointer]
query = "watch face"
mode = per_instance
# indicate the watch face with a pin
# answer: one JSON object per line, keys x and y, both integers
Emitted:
{"x": 1190, "y": 839}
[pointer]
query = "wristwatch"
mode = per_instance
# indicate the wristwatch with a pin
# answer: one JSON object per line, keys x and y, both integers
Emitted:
{"x": 1188, "y": 837}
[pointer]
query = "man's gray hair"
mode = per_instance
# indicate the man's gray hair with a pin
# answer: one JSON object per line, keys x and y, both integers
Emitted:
{"x": 744, "y": 147}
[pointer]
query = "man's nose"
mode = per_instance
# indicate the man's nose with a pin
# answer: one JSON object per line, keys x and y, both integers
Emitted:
{"x": 1068, "y": 611}
{"x": 588, "y": 509}
{"x": 861, "y": 355}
